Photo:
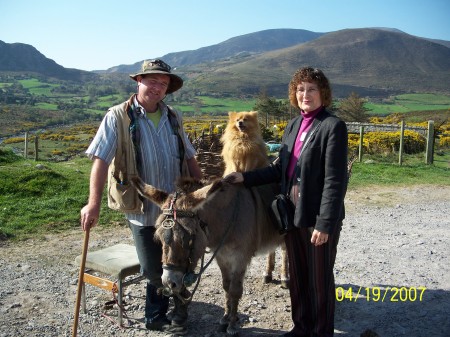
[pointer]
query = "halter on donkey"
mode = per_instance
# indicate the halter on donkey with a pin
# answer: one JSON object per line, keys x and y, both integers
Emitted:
{"x": 190, "y": 276}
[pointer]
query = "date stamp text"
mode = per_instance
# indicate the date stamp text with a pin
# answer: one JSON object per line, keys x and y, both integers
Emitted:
{"x": 380, "y": 294}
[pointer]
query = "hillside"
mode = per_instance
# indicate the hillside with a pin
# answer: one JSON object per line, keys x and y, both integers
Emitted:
{"x": 20, "y": 57}
{"x": 370, "y": 61}
{"x": 253, "y": 43}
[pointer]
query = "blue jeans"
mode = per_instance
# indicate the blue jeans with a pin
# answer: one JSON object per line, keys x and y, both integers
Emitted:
{"x": 149, "y": 254}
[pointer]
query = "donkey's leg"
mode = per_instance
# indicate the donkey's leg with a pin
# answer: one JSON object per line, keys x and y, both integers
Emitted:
{"x": 284, "y": 267}
{"x": 270, "y": 266}
{"x": 226, "y": 281}
{"x": 234, "y": 296}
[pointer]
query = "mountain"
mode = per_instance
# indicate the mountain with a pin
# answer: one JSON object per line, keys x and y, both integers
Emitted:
{"x": 22, "y": 57}
{"x": 248, "y": 44}
{"x": 368, "y": 61}
{"x": 442, "y": 42}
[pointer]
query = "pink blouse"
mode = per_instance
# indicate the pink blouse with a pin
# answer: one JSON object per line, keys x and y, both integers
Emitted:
{"x": 301, "y": 135}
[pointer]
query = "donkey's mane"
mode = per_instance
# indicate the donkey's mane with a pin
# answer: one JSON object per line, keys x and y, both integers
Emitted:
{"x": 216, "y": 185}
{"x": 188, "y": 184}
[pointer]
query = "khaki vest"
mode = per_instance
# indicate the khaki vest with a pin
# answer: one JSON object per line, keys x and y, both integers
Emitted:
{"x": 122, "y": 196}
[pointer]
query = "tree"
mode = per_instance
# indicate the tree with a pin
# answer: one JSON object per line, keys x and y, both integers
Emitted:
{"x": 352, "y": 109}
{"x": 269, "y": 106}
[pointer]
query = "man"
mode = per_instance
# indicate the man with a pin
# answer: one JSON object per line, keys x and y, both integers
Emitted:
{"x": 142, "y": 136}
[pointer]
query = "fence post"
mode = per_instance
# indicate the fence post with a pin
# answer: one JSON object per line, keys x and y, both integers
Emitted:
{"x": 430, "y": 143}
{"x": 25, "y": 154}
{"x": 360, "y": 148}
{"x": 36, "y": 146}
{"x": 400, "y": 149}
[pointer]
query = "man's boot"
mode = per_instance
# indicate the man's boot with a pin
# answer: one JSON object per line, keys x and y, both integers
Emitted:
{"x": 180, "y": 312}
{"x": 155, "y": 309}
{"x": 178, "y": 316}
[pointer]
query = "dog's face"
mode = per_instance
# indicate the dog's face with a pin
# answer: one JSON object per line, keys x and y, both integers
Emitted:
{"x": 244, "y": 121}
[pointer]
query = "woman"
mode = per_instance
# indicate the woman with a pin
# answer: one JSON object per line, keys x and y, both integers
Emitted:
{"x": 313, "y": 169}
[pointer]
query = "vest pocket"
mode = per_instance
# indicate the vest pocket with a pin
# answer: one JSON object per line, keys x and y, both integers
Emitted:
{"x": 123, "y": 197}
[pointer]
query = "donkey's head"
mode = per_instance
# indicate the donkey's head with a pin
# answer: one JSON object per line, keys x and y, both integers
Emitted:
{"x": 179, "y": 229}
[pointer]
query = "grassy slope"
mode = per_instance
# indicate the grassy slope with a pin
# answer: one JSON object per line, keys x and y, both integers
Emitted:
{"x": 36, "y": 201}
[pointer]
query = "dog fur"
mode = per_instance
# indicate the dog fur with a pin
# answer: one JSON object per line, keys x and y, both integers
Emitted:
{"x": 243, "y": 146}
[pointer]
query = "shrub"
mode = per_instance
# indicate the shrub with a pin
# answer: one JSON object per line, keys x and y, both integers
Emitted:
{"x": 444, "y": 141}
{"x": 13, "y": 140}
{"x": 74, "y": 149}
{"x": 353, "y": 143}
{"x": 7, "y": 156}
{"x": 57, "y": 153}
{"x": 389, "y": 142}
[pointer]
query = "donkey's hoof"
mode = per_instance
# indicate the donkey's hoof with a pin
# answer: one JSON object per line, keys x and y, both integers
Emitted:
{"x": 233, "y": 330}
{"x": 285, "y": 284}
{"x": 267, "y": 278}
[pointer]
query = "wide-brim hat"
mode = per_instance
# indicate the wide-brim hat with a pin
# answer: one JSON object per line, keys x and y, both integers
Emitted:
{"x": 160, "y": 67}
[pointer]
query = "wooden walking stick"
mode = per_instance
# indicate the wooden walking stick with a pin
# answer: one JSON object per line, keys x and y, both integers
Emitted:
{"x": 80, "y": 281}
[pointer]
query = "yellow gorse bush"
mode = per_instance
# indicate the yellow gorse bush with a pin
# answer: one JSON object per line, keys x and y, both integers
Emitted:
{"x": 388, "y": 142}
{"x": 444, "y": 141}
{"x": 13, "y": 140}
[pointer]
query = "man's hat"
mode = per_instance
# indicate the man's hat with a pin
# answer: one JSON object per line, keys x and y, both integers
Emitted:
{"x": 160, "y": 67}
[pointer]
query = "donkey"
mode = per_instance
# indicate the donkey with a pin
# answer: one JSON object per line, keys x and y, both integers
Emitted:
{"x": 229, "y": 219}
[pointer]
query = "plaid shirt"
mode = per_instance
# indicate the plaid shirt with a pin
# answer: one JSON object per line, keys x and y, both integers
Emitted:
{"x": 160, "y": 158}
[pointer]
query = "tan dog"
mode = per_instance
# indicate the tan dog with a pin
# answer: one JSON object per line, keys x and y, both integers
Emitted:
{"x": 243, "y": 146}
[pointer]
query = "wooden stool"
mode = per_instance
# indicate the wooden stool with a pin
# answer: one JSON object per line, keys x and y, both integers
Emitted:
{"x": 118, "y": 262}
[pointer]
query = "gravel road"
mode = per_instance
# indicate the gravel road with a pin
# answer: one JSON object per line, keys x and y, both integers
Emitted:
{"x": 392, "y": 276}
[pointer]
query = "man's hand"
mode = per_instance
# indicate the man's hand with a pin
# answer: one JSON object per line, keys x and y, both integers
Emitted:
{"x": 89, "y": 216}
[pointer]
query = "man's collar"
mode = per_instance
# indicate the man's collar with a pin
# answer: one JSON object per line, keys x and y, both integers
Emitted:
{"x": 140, "y": 110}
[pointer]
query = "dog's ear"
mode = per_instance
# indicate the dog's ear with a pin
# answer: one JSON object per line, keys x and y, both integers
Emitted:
{"x": 253, "y": 114}
{"x": 232, "y": 114}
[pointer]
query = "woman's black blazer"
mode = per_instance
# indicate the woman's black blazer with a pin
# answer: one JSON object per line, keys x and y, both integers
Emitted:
{"x": 321, "y": 171}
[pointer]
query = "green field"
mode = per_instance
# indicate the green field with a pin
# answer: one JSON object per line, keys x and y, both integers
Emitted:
{"x": 210, "y": 105}
{"x": 397, "y": 104}
{"x": 38, "y": 88}
{"x": 108, "y": 101}
{"x": 47, "y": 106}
{"x": 410, "y": 102}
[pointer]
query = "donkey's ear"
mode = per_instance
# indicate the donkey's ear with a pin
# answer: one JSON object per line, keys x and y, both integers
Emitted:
{"x": 156, "y": 196}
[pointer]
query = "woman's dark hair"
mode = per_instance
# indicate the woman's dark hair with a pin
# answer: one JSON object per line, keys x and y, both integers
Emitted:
{"x": 311, "y": 75}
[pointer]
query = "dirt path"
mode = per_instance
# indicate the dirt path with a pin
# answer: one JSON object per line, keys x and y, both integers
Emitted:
{"x": 394, "y": 250}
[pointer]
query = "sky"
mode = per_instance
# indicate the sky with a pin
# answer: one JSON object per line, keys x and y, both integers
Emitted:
{"x": 99, "y": 34}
